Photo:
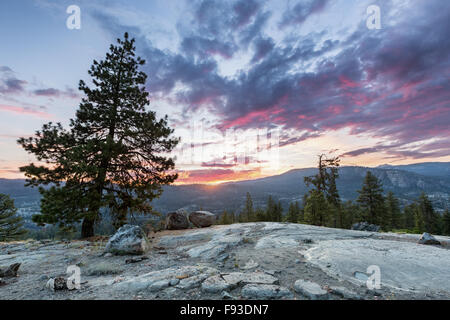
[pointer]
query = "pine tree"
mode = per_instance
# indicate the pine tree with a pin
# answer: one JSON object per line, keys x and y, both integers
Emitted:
{"x": 293, "y": 214}
{"x": 301, "y": 214}
{"x": 324, "y": 182}
{"x": 446, "y": 223}
{"x": 248, "y": 213}
{"x": 371, "y": 198}
{"x": 332, "y": 193}
{"x": 278, "y": 212}
{"x": 429, "y": 216}
{"x": 270, "y": 209}
{"x": 260, "y": 214}
{"x": 112, "y": 155}
{"x": 409, "y": 214}
{"x": 394, "y": 214}
{"x": 301, "y": 219}
{"x": 225, "y": 218}
{"x": 242, "y": 218}
{"x": 351, "y": 213}
{"x": 232, "y": 217}
{"x": 11, "y": 225}
{"x": 419, "y": 223}
{"x": 316, "y": 209}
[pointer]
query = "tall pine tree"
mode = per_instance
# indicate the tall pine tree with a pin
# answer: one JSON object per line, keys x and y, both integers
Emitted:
{"x": 278, "y": 212}
{"x": 393, "y": 212}
{"x": 271, "y": 209}
{"x": 324, "y": 182}
{"x": 248, "y": 213}
{"x": 316, "y": 209}
{"x": 113, "y": 154}
{"x": 371, "y": 199}
{"x": 428, "y": 215}
{"x": 11, "y": 225}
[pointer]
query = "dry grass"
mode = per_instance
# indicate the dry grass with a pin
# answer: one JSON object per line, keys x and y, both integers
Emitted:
{"x": 102, "y": 269}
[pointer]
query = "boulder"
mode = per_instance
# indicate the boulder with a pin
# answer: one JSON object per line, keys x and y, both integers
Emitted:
{"x": 427, "y": 238}
{"x": 10, "y": 271}
{"x": 176, "y": 221}
{"x": 364, "y": 226}
{"x": 129, "y": 239}
{"x": 310, "y": 289}
{"x": 202, "y": 219}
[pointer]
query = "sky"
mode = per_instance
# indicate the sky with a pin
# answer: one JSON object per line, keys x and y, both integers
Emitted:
{"x": 254, "y": 88}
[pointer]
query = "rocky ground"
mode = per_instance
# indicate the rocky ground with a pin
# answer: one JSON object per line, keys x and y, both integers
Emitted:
{"x": 240, "y": 261}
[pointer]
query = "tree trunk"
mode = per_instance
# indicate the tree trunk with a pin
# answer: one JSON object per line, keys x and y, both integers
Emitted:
{"x": 87, "y": 228}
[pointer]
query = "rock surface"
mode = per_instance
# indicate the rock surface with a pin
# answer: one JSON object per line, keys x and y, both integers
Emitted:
{"x": 176, "y": 221}
{"x": 427, "y": 238}
{"x": 265, "y": 291}
{"x": 239, "y": 261}
{"x": 128, "y": 239}
{"x": 202, "y": 219}
{"x": 345, "y": 293}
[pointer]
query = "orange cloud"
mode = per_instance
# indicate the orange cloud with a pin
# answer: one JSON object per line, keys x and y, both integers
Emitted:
{"x": 215, "y": 176}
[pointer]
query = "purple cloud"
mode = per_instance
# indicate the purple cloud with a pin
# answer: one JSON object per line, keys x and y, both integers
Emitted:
{"x": 9, "y": 83}
{"x": 391, "y": 83}
{"x": 301, "y": 11}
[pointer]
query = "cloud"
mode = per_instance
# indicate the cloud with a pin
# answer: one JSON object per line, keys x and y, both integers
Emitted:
{"x": 218, "y": 165}
{"x": 9, "y": 83}
{"x": 245, "y": 10}
{"x": 301, "y": 11}
{"x": 56, "y": 93}
{"x": 26, "y": 111}
{"x": 263, "y": 46}
{"x": 434, "y": 149}
{"x": 391, "y": 84}
{"x": 215, "y": 175}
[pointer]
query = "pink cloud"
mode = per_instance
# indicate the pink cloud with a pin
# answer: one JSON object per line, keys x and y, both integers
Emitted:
{"x": 26, "y": 111}
{"x": 260, "y": 115}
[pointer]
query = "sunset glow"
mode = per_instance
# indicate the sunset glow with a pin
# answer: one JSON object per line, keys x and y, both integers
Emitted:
{"x": 313, "y": 74}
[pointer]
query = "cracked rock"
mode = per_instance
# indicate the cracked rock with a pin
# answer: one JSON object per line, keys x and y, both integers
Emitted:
{"x": 215, "y": 284}
{"x": 248, "y": 278}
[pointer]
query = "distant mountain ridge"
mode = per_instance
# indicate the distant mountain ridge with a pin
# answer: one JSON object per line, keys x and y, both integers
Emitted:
{"x": 426, "y": 168}
{"x": 289, "y": 186}
{"x": 406, "y": 181}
